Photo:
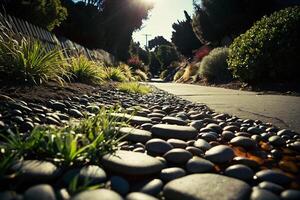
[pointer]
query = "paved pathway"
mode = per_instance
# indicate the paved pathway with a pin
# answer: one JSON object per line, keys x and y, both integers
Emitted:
{"x": 283, "y": 111}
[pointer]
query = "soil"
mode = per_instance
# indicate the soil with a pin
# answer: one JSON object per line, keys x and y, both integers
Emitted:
{"x": 45, "y": 92}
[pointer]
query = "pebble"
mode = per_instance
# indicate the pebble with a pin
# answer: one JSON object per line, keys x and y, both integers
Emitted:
{"x": 152, "y": 187}
{"x": 239, "y": 171}
{"x": 273, "y": 176}
{"x": 119, "y": 185}
{"x": 227, "y": 135}
{"x": 40, "y": 192}
{"x": 174, "y": 120}
{"x": 136, "y": 135}
{"x": 206, "y": 186}
{"x": 99, "y": 194}
{"x": 202, "y": 144}
{"x": 176, "y": 143}
{"x": 131, "y": 163}
{"x": 195, "y": 151}
{"x": 276, "y": 141}
{"x": 139, "y": 196}
{"x": 261, "y": 194}
{"x": 75, "y": 113}
{"x": 178, "y": 156}
{"x": 231, "y": 128}
{"x": 243, "y": 142}
{"x": 290, "y": 195}
{"x": 169, "y": 174}
{"x": 92, "y": 173}
{"x": 215, "y": 127}
{"x": 168, "y": 131}
{"x": 220, "y": 154}
{"x": 199, "y": 165}
{"x": 272, "y": 187}
{"x": 158, "y": 146}
{"x": 197, "y": 124}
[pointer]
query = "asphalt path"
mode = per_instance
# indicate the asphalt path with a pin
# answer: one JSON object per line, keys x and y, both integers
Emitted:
{"x": 281, "y": 110}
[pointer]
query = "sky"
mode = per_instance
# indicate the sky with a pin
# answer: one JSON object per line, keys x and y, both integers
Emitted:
{"x": 161, "y": 18}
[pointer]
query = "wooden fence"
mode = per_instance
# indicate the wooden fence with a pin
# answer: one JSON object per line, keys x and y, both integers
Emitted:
{"x": 51, "y": 41}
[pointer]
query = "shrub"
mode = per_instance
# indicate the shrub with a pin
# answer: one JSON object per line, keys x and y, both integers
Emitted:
{"x": 166, "y": 55}
{"x": 164, "y": 74}
{"x": 142, "y": 75}
{"x": 112, "y": 74}
{"x": 200, "y": 53}
{"x": 214, "y": 68}
{"x": 127, "y": 72}
{"x": 84, "y": 70}
{"x": 190, "y": 71}
{"x": 134, "y": 62}
{"x": 269, "y": 50}
{"x": 178, "y": 74}
{"x": 134, "y": 87}
{"x": 27, "y": 61}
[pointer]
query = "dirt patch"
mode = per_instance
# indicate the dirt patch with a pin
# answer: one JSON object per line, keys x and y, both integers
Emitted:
{"x": 51, "y": 90}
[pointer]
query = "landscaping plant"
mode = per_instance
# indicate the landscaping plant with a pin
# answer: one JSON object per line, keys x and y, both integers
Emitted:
{"x": 134, "y": 87}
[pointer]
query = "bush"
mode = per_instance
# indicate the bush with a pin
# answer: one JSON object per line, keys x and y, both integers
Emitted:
{"x": 269, "y": 50}
{"x": 134, "y": 87}
{"x": 200, "y": 53}
{"x": 84, "y": 70}
{"x": 178, "y": 74}
{"x": 190, "y": 71}
{"x": 27, "y": 61}
{"x": 214, "y": 67}
{"x": 164, "y": 74}
{"x": 166, "y": 55}
{"x": 113, "y": 74}
{"x": 134, "y": 62}
{"x": 141, "y": 75}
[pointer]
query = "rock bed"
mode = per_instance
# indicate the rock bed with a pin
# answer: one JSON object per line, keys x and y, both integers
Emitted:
{"x": 175, "y": 150}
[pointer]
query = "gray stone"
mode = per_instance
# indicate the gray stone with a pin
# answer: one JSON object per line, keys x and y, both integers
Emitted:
{"x": 75, "y": 113}
{"x": 220, "y": 154}
{"x": 134, "y": 120}
{"x": 119, "y": 185}
{"x": 243, "y": 142}
{"x": 246, "y": 161}
{"x": 215, "y": 127}
{"x": 174, "y": 131}
{"x": 58, "y": 106}
{"x": 197, "y": 124}
{"x": 139, "y": 196}
{"x": 131, "y": 163}
{"x": 260, "y": 194}
{"x": 93, "y": 109}
{"x": 290, "y": 195}
{"x": 174, "y": 120}
{"x": 99, "y": 194}
{"x": 178, "y": 156}
{"x": 40, "y": 192}
{"x": 227, "y": 135}
{"x": 195, "y": 151}
{"x": 169, "y": 174}
{"x": 35, "y": 170}
{"x": 176, "y": 143}
{"x": 92, "y": 173}
{"x": 158, "y": 146}
{"x": 202, "y": 144}
{"x": 240, "y": 172}
{"x": 10, "y": 195}
{"x": 276, "y": 141}
{"x": 231, "y": 128}
{"x": 152, "y": 187}
{"x": 209, "y": 136}
{"x": 272, "y": 187}
{"x": 273, "y": 176}
{"x": 206, "y": 187}
{"x": 199, "y": 165}
{"x": 136, "y": 135}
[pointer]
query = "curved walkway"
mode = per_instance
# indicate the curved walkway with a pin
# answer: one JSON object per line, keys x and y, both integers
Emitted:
{"x": 283, "y": 111}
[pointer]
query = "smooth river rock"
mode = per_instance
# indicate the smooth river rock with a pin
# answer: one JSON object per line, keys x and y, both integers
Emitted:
{"x": 220, "y": 154}
{"x": 168, "y": 131}
{"x": 206, "y": 187}
{"x": 136, "y": 135}
{"x": 131, "y": 163}
{"x": 99, "y": 194}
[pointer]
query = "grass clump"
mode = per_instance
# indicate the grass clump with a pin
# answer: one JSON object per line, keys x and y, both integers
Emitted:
{"x": 214, "y": 67}
{"x": 24, "y": 60}
{"x": 134, "y": 87}
{"x": 113, "y": 74}
{"x": 85, "y": 71}
{"x": 75, "y": 144}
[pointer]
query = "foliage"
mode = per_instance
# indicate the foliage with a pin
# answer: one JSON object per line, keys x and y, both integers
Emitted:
{"x": 178, "y": 74}
{"x": 27, "y": 61}
{"x": 269, "y": 49}
{"x": 164, "y": 74}
{"x": 44, "y": 13}
{"x": 134, "y": 87}
{"x": 190, "y": 71}
{"x": 154, "y": 65}
{"x": 84, "y": 70}
{"x": 142, "y": 76}
{"x": 215, "y": 19}
{"x": 127, "y": 71}
{"x": 214, "y": 68}
{"x": 113, "y": 74}
{"x": 166, "y": 55}
{"x": 105, "y": 25}
{"x": 184, "y": 37}
{"x": 136, "y": 51}
{"x": 158, "y": 41}
{"x": 134, "y": 62}
{"x": 86, "y": 141}
{"x": 201, "y": 53}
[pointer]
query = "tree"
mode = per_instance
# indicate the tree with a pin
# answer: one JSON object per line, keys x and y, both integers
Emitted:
{"x": 157, "y": 41}
{"x": 216, "y": 19}
{"x": 184, "y": 37}
{"x": 136, "y": 50}
{"x": 166, "y": 55}
{"x": 44, "y": 13}
{"x": 106, "y": 24}
{"x": 154, "y": 65}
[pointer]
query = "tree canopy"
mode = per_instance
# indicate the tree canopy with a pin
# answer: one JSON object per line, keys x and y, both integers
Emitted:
{"x": 157, "y": 41}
